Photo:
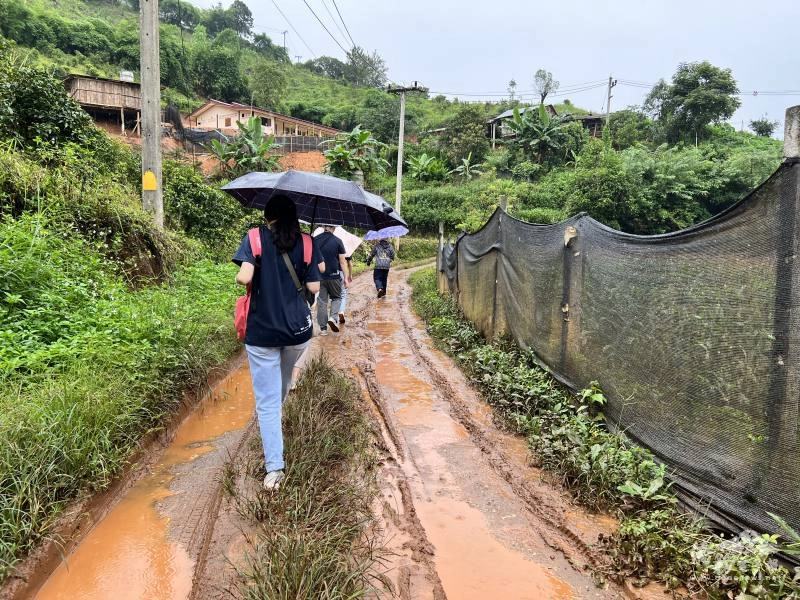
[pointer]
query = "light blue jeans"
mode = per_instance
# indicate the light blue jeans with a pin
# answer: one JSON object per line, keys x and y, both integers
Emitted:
{"x": 343, "y": 304}
{"x": 271, "y": 372}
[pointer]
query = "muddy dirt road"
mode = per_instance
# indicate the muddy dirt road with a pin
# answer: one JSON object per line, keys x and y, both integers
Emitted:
{"x": 462, "y": 513}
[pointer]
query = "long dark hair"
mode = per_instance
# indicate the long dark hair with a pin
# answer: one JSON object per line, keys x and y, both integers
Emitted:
{"x": 285, "y": 228}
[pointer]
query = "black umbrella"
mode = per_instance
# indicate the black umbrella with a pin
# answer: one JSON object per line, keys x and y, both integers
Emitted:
{"x": 319, "y": 198}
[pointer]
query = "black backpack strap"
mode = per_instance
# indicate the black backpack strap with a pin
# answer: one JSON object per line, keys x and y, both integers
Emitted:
{"x": 292, "y": 272}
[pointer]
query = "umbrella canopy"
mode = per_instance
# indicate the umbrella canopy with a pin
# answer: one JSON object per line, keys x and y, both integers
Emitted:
{"x": 319, "y": 198}
{"x": 350, "y": 241}
{"x": 392, "y": 231}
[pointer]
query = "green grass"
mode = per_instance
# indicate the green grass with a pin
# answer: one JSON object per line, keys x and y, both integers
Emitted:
{"x": 314, "y": 538}
{"x": 82, "y": 381}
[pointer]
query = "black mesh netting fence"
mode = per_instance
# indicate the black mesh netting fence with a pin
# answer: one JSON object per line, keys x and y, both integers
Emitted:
{"x": 694, "y": 336}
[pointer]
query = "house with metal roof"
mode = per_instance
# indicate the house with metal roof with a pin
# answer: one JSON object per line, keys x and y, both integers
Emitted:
{"x": 223, "y": 116}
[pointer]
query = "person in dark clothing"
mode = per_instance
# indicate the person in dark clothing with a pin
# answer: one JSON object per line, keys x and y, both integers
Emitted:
{"x": 383, "y": 253}
{"x": 332, "y": 251}
{"x": 279, "y": 324}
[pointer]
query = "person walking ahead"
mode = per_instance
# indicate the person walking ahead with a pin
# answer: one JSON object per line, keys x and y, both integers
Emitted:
{"x": 331, "y": 284}
{"x": 383, "y": 253}
{"x": 279, "y": 324}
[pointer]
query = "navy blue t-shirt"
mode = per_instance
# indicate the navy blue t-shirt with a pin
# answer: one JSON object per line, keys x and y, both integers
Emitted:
{"x": 279, "y": 315}
{"x": 330, "y": 247}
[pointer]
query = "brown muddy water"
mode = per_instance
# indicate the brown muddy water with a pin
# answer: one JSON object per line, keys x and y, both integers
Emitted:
{"x": 128, "y": 554}
{"x": 483, "y": 545}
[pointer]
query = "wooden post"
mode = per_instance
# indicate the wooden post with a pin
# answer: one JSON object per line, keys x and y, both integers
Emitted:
{"x": 152, "y": 198}
{"x": 122, "y": 119}
{"x": 504, "y": 202}
{"x": 441, "y": 248}
{"x": 398, "y": 189}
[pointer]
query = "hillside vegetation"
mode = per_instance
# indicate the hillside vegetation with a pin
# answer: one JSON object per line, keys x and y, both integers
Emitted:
{"x": 105, "y": 321}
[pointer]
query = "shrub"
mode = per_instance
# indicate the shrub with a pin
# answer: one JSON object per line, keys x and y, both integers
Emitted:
{"x": 202, "y": 211}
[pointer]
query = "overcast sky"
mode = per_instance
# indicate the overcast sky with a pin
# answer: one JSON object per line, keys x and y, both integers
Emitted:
{"x": 461, "y": 47}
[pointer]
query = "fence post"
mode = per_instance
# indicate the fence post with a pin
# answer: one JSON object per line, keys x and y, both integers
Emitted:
{"x": 504, "y": 202}
{"x": 441, "y": 248}
{"x": 782, "y": 409}
{"x": 791, "y": 133}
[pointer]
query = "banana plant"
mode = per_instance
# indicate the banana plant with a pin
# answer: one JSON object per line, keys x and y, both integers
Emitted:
{"x": 249, "y": 151}
{"x": 426, "y": 168}
{"x": 537, "y": 133}
{"x": 354, "y": 151}
{"x": 467, "y": 169}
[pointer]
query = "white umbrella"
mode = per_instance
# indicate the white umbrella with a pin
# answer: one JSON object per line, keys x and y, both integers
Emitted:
{"x": 350, "y": 241}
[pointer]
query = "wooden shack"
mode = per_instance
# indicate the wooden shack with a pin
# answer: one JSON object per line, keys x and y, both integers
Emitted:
{"x": 109, "y": 100}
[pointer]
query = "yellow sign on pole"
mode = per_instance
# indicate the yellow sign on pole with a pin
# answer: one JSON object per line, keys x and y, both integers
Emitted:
{"x": 149, "y": 181}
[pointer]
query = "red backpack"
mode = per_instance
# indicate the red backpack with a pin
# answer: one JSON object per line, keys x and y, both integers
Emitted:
{"x": 243, "y": 302}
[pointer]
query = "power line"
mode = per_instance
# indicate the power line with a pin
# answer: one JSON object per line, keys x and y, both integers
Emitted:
{"x": 294, "y": 29}
{"x": 343, "y": 23}
{"x": 323, "y": 26}
{"x": 335, "y": 22}
{"x": 525, "y": 94}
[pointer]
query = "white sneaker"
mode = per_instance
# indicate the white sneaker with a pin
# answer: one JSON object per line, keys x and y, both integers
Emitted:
{"x": 273, "y": 480}
{"x": 332, "y": 325}
{"x": 323, "y": 332}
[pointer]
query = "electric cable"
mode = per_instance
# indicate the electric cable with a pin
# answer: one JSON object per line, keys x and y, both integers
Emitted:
{"x": 335, "y": 22}
{"x": 336, "y": 6}
{"x": 294, "y": 29}
{"x": 323, "y": 26}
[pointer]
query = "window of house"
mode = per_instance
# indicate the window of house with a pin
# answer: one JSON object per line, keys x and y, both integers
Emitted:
{"x": 243, "y": 115}
{"x": 227, "y": 121}
{"x": 266, "y": 121}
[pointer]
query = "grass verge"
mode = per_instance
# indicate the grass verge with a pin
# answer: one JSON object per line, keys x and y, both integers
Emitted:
{"x": 313, "y": 536}
{"x": 568, "y": 437}
{"x": 83, "y": 378}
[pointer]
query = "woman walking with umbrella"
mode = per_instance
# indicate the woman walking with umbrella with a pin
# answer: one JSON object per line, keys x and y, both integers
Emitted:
{"x": 279, "y": 324}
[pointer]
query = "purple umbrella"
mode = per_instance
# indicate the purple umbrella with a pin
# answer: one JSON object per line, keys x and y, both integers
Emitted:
{"x": 392, "y": 231}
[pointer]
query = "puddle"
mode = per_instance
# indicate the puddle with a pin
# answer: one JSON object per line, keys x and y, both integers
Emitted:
{"x": 127, "y": 555}
{"x": 473, "y": 565}
{"x": 474, "y": 560}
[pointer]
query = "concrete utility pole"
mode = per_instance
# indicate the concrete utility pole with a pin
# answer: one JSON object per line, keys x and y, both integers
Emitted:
{"x": 791, "y": 133}
{"x": 284, "y": 39}
{"x": 152, "y": 197}
{"x": 398, "y": 190}
{"x": 611, "y": 84}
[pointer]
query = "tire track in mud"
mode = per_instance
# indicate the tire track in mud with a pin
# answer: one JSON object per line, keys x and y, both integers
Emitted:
{"x": 407, "y": 481}
{"x": 403, "y": 518}
{"x": 551, "y": 517}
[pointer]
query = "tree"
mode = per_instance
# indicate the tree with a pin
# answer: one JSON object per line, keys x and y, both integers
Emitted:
{"x": 216, "y": 74}
{"x": 263, "y": 44}
{"x": 249, "y": 151}
{"x": 464, "y": 134}
{"x": 352, "y": 152}
{"x": 35, "y": 108}
{"x": 545, "y": 84}
{"x": 364, "y": 69}
{"x": 380, "y": 114}
{"x": 327, "y": 66}
{"x": 512, "y": 90}
{"x": 215, "y": 19}
{"x": 700, "y": 94}
{"x": 537, "y": 134}
{"x": 629, "y": 127}
{"x": 268, "y": 84}
{"x": 180, "y": 13}
{"x": 240, "y": 18}
{"x": 763, "y": 127}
